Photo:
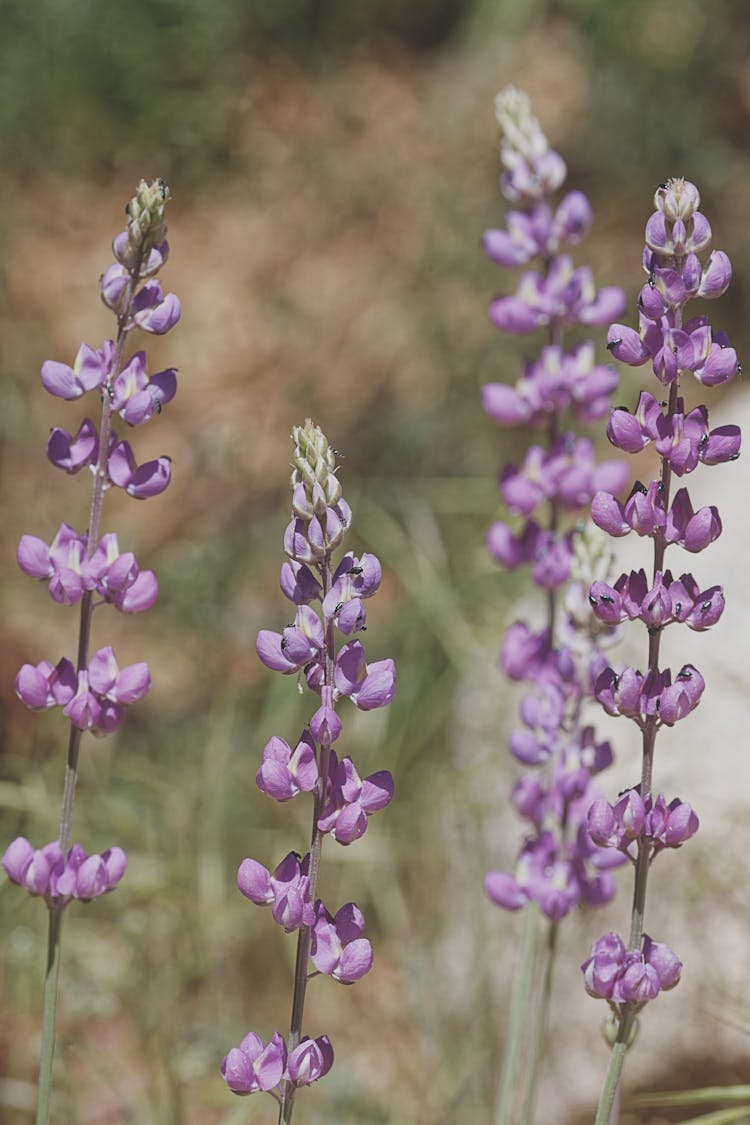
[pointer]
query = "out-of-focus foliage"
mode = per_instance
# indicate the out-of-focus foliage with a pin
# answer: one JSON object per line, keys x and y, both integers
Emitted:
{"x": 333, "y": 165}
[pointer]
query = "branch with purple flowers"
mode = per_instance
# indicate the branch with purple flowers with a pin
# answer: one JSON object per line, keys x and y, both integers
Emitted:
{"x": 89, "y": 570}
{"x": 560, "y": 864}
{"x": 640, "y": 825}
{"x": 329, "y": 600}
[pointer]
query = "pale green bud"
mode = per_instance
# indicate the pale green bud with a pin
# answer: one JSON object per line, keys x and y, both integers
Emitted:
{"x": 520, "y": 130}
{"x": 677, "y": 198}
{"x": 146, "y": 226}
{"x": 314, "y": 464}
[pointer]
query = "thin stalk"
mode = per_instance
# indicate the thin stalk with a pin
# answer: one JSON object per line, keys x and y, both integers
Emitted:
{"x": 51, "y": 976}
{"x": 614, "y": 1071}
{"x": 540, "y": 1024}
{"x": 286, "y": 1104}
{"x": 522, "y": 984}
{"x": 643, "y": 860}
{"x": 54, "y": 950}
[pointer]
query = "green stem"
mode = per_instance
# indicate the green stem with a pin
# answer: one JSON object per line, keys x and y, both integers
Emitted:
{"x": 286, "y": 1103}
{"x": 518, "y": 1004}
{"x": 649, "y": 727}
{"x": 614, "y": 1070}
{"x": 52, "y": 973}
{"x": 48, "y": 1018}
{"x": 540, "y": 1024}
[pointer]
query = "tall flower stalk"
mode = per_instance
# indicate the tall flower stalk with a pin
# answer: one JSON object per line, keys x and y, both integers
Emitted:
{"x": 628, "y": 973}
{"x": 559, "y": 865}
{"x": 88, "y": 569}
{"x": 329, "y": 599}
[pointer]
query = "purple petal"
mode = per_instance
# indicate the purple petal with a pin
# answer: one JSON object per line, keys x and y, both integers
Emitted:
{"x": 608, "y": 513}
{"x": 504, "y": 404}
{"x": 133, "y": 683}
{"x": 503, "y": 890}
{"x": 271, "y": 1063}
{"x": 149, "y": 479}
{"x": 60, "y": 380}
{"x": 115, "y": 862}
{"x": 238, "y": 1073}
{"x": 91, "y": 879}
{"x": 350, "y": 824}
{"x": 377, "y": 791}
{"x": 379, "y": 686}
{"x": 254, "y": 881}
{"x": 268, "y": 648}
{"x": 16, "y": 859}
{"x": 33, "y": 557}
{"x": 162, "y": 317}
{"x": 140, "y": 595}
{"x": 512, "y": 314}
{"x": 356, "y": 960}
{"x": 626, "y": 345}
{"x": 310, "y": 1060}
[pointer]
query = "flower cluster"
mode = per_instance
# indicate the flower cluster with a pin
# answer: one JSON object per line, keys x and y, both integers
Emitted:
{"x": 559, "y": 865}
{"x": 657, "y": 824}
{"x": 640, "y": 825}
{"x": 252, "y": 1067}
{"x": 629, "y": 977}
{"x": 329, "y": 600}
{"x": 87, "y": 568}
{"x": 57, "y": 877}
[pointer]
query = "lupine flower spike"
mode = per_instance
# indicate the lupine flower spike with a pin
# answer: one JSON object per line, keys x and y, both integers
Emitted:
{"x": 329, "y": 598}
{"x": 640, "y": 825}
{"x": 88, "y": 568}
{"x": 560, "y": 864}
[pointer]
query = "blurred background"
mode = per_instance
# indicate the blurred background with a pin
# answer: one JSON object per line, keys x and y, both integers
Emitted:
{"x": 333, "y": 164}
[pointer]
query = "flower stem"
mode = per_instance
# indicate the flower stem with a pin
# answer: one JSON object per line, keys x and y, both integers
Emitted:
{"x": 503, "y": 1104}
{"x": 614, "y": 1071}
{"x": 540, "y": 1024}
{"x": 52, "y": 973}
{"x": 643, "y": 860}
{"x": 48, "y": 1018}
{"x": 286, "y": 1104}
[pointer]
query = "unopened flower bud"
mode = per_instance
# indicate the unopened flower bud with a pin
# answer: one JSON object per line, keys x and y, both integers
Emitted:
{"x": 146, "y": 226}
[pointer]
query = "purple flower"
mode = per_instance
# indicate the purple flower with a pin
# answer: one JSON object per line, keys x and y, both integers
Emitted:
{"x": 656, "y": 823}
{"x": 254, "y": 1066}
{"x": 90, "y": 369}
{"x": 325, "y": 724}
{"x": 668, "y": 600}
{"x": 557, "y": 876}
{"x": 629, "y": 977}
{"x": 558, "y": 380}
{"x": 310, "y": 1060}
{"x": 343, "y": 801}
{"x": 286, "y": 891}
{"x": 153, "y": 312}
{"x": 338, "y": 948}
{"x": 93, "y": 700}
{"x": 41, "y": 686}
{"x": 70, "y": 571}
{"x": 73, "y": 453}
{"x": 59, "y": 877}
{"x": 563, "y": 294}
{"x": 654, "y": 695}
{"x": 136, "y": 397}
{"x": 367, "y": 685}
{"x": 682, "y": 439}
{"x": 349, "y": 800}
{"x": 299, "y": 584}
{"x": 139, "y": 481}
{"x": 104, "y": 691}
{"x": 285, "y": 772}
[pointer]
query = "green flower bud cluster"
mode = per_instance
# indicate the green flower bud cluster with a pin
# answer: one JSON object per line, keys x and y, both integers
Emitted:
{"x": 146, "y": 226}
